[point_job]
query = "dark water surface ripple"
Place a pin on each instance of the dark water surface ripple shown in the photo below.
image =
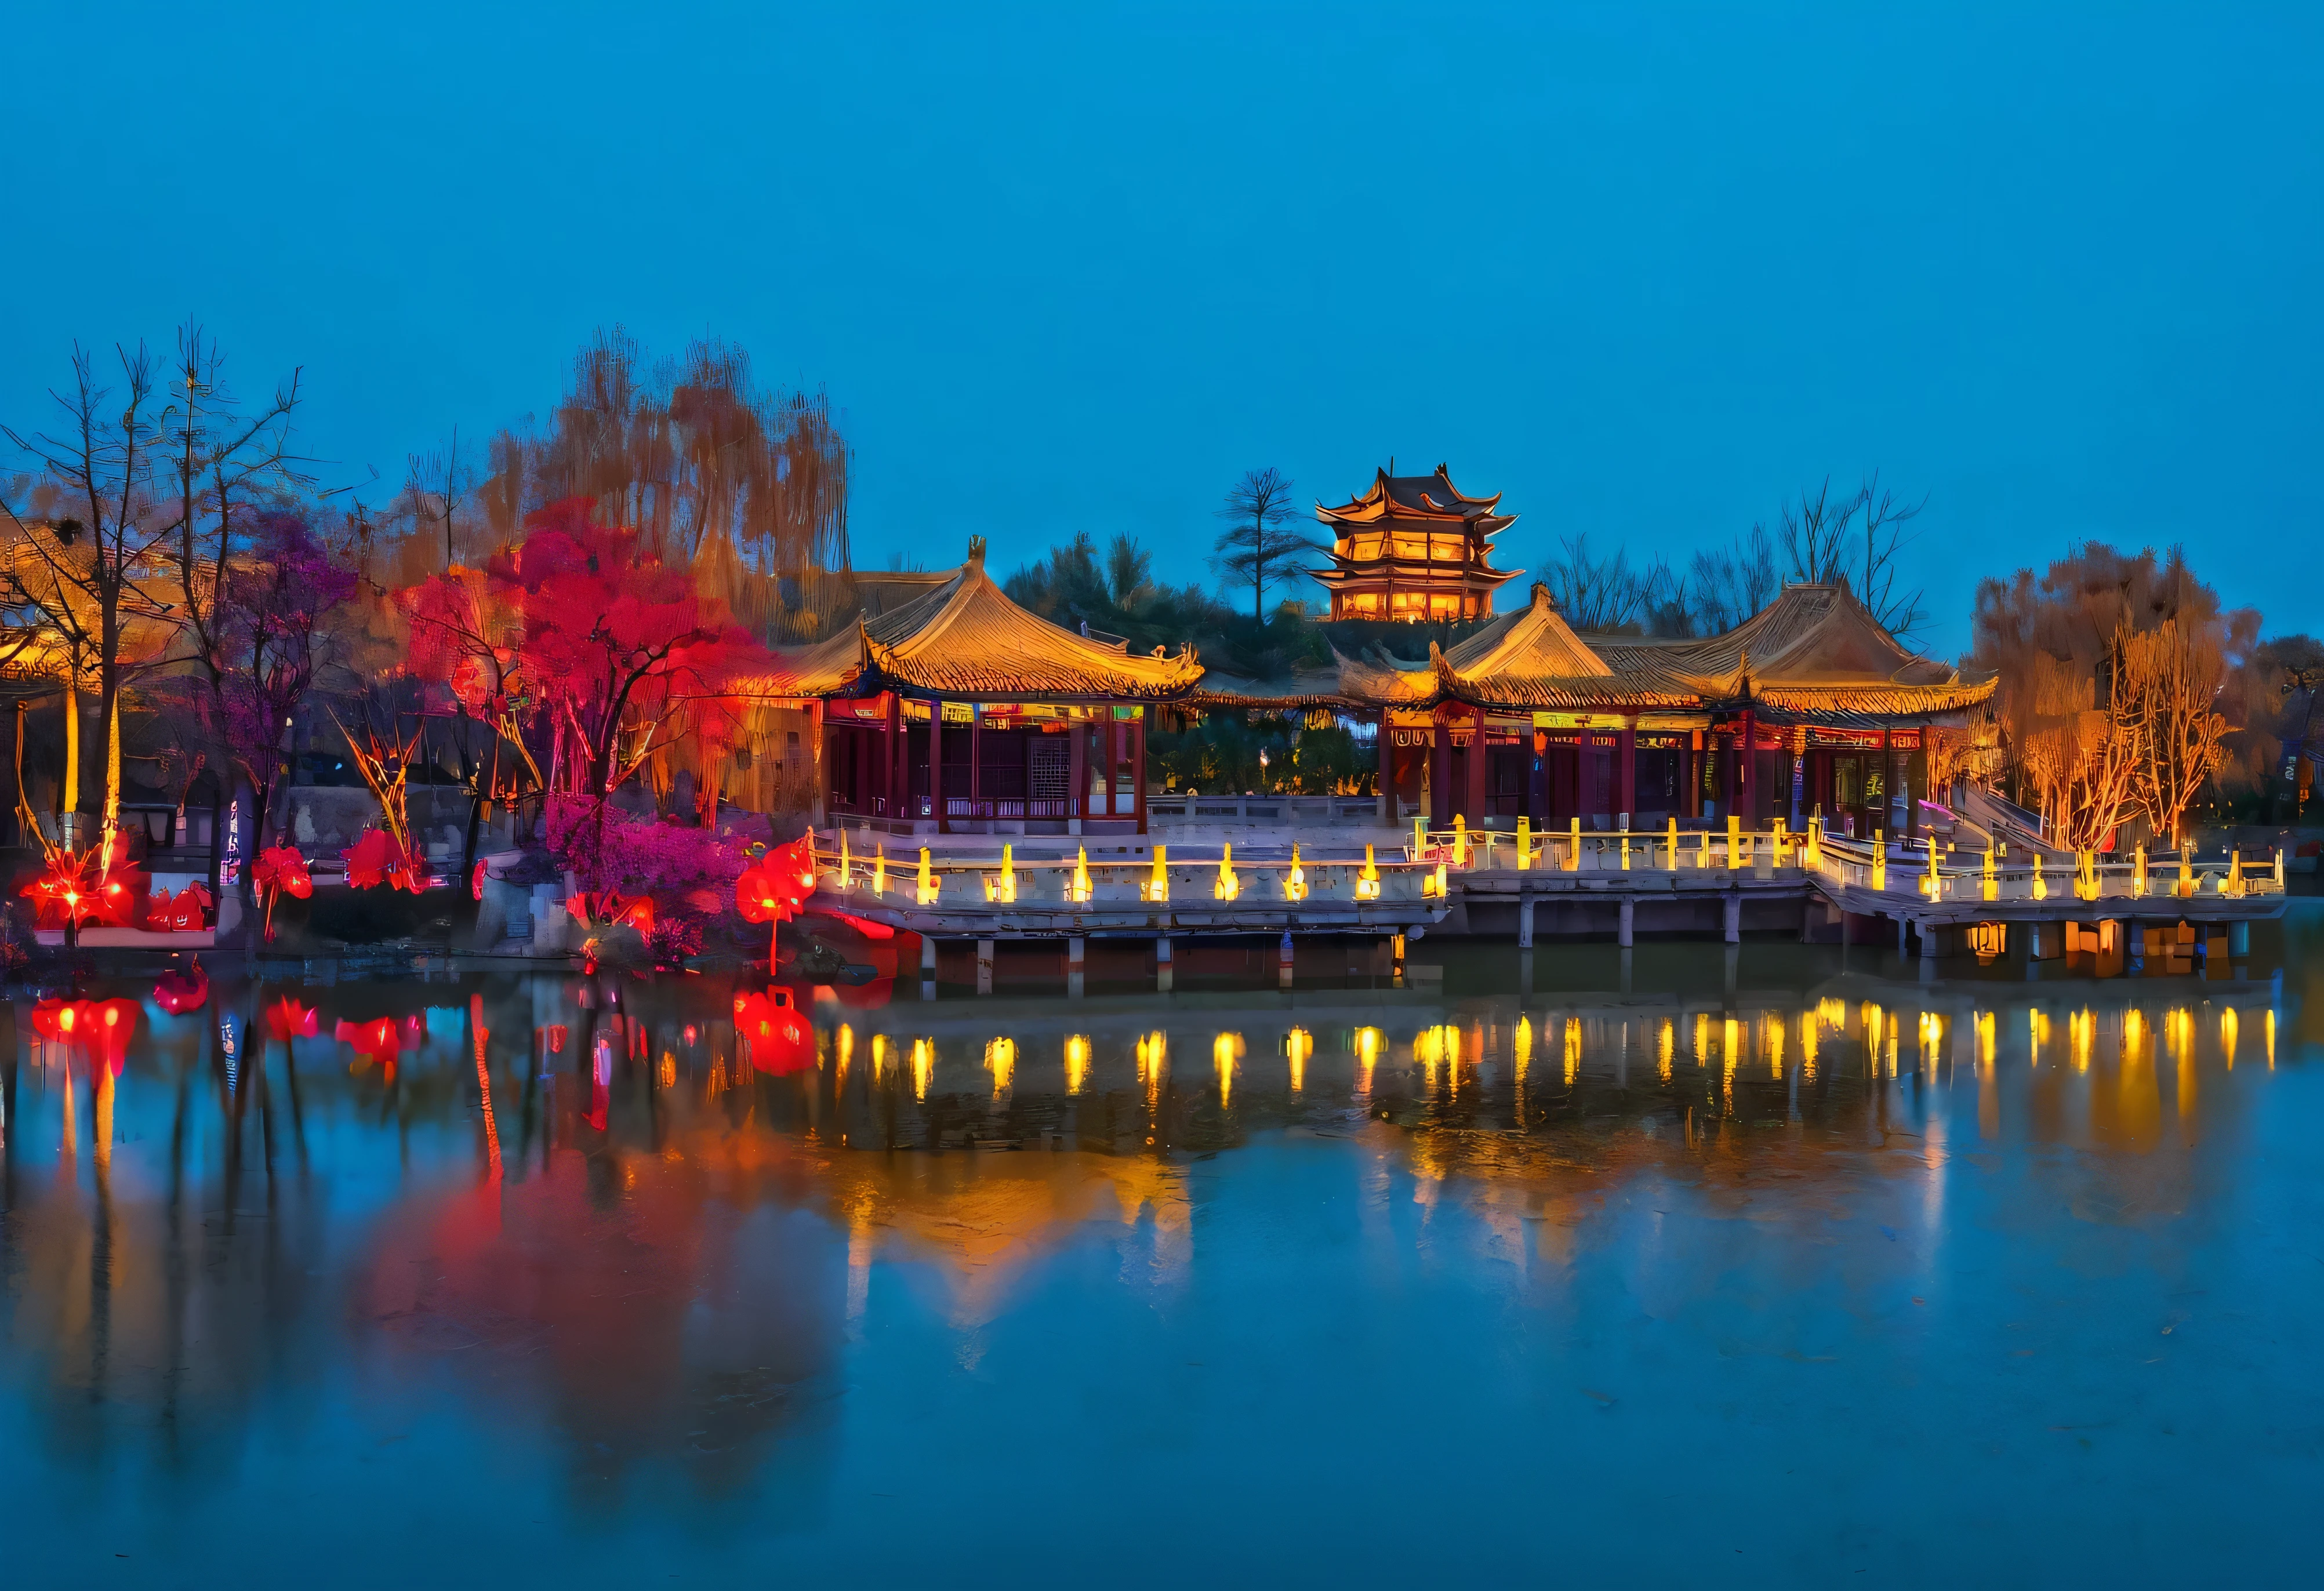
(1832, 1278)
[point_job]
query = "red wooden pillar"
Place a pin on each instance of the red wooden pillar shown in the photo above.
(1440, 774)
(1387, 750)
(1537, 745)
(1138, 766)
(1076, 774)
(1746, 794)
(893, 778)
(1477, 797)
(1888, 782)
(975, 756)
(1626, 771)
(1585, 781)
(935, 765)
(1691, 760)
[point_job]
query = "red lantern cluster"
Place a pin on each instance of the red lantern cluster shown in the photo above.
(186, 911)
(281, 870)
(383, 1040)
(78, 891)
(376, 858)
(608, 909)
(777, 1038)
(99, 1030)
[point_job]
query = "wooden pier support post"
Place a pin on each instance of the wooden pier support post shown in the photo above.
(1731, 917)
(1162, 979)
(1903, 944)
(2134, 948)
(1627, 935)
(1524, 922)
(927, 966)
(2238, 941)
(1396, 959)
(985, 966)
(1283, 961)
(1075, 969)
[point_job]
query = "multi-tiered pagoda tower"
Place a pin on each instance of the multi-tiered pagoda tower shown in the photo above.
(1413, 547)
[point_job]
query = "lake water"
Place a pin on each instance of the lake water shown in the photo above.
(1775, 1275)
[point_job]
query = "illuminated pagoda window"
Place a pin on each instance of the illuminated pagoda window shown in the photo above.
(1413, 547)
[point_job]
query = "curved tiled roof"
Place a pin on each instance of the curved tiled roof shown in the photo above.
(965, 638)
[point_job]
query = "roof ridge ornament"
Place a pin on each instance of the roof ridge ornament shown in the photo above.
(976, 553)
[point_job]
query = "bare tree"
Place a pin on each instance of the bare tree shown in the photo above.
(1595, 593)
(1727, 586)
(435, 485)
(114, 514)
(1857, 541)
(1266, 536)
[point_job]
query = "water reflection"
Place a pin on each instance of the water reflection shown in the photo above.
(615, 1224)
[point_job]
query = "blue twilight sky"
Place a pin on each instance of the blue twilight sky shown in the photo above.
(1645, 270)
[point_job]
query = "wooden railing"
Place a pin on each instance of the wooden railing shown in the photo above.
(908, 880)
(1960, 877)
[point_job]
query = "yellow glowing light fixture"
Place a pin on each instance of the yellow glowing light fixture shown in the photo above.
(1460, 841)
(1992, 870)
(928, 890)
(2138, 868)
(1933, 885)
(2040, 883)
(1879, 860)
(846, 865)
(1158, 888)
(1734, 842)
(1295, 882)
(1081, 885)
(1228, 887)
(1524, 843)
(1670, 847)
(1368, 882)
(879, 871)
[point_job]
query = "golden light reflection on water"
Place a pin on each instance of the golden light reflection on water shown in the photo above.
(1666, 1041)
(2229, 1029)
(2081, 1038)
(1000, 1060)
(924, 1066)
(1771, 1036)
(1077, 1062)
(1572, 1049)
(1368, 1044)
(843, 1050)
(1225, 1051)
(1298, 1044)
(1152, 1061)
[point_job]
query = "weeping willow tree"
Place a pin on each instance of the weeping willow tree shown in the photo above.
(748, 485)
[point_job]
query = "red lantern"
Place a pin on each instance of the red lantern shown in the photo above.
(383, 1040)
(376, 858)
(608, 909)
(180, 992)
(280, 870)
(778, 1038)
(288, 1019)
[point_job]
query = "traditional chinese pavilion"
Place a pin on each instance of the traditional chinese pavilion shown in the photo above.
(954, 709)
(958, 708)
(1413, 547)
(1810, 706)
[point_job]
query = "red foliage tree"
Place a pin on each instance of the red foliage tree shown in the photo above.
(578, 634)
